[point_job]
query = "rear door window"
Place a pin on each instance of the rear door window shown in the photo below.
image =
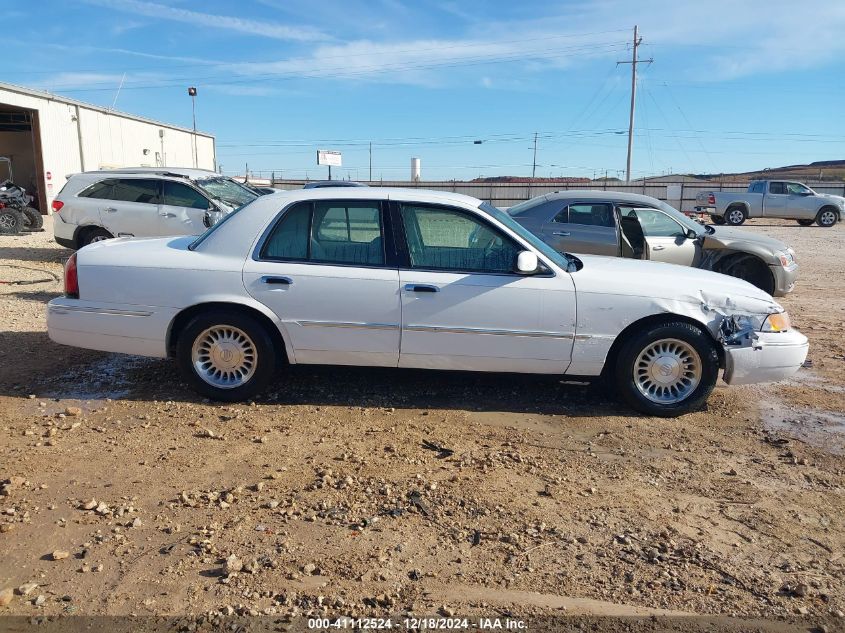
(329, 232)
(777, 187)
(141, 190)
(592, 214)
(180, 195)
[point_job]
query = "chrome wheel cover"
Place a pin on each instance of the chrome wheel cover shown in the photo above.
(827, 218)
(667, 371)
(99, 238)
(224, 356)
(735, 216)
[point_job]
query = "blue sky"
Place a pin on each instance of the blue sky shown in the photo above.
(735, 85)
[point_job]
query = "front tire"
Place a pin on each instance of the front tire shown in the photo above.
(11, 221)
(226, 355)
(735, 216)
(666, 369)
(749, 268)
(827, 217)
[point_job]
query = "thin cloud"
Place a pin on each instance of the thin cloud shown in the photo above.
(196, 18)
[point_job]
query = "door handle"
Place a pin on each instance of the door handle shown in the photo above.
(561, 233)
(421, 288)
(167, 214)
(277, 281)
(110, 210)
(658, 248)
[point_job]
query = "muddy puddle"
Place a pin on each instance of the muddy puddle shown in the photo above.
(817, 427)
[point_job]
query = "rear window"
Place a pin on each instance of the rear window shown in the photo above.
(100, 190)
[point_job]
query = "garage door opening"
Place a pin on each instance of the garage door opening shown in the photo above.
(20, 142)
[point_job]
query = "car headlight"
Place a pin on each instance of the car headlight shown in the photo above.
(778, 322)
(786, 258)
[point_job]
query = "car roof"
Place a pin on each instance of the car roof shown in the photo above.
(593, 194)
(380, 193)
(172, 172)
(317, 184)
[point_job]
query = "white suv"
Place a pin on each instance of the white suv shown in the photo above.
(143, 202)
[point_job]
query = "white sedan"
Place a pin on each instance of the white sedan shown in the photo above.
(411, 278)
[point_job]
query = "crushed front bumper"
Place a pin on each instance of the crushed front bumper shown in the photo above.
(773, 356)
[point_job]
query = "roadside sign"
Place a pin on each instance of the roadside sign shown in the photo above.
(328, 157)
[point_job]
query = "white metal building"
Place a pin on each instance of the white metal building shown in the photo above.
(48, 137)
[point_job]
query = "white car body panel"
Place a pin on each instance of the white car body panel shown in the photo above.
(565, 323)
(342, 315)
(487, 322)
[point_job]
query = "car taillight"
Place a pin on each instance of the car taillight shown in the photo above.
(711, 199)
(57, 205)
(71, 278)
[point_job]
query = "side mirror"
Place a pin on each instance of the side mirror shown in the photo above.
(527, 263)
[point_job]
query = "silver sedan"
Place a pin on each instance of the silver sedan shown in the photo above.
(641, 227)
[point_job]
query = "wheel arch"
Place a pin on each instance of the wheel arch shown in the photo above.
(82, 229)
(739, 203)
(657, 319)
(721, 260)
(258, 312)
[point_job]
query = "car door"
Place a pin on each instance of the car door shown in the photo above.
(800, 202)
(131, 208)
(182, 209)
(463, 307)
(776, 201)
(583, 227)
(327, 271)
(666, 240)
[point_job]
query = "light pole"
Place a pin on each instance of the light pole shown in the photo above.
(193, 94)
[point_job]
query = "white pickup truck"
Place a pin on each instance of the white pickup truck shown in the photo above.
(772, 199)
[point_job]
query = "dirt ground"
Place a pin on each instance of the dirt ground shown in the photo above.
(126, 494)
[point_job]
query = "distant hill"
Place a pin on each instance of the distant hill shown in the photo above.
(527, 179)
(833, 170)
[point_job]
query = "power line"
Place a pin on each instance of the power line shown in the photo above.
(353, 71)
(205, 64)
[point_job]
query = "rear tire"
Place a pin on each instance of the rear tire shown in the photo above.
(806, 222)
(226, 355)
(751, 269)
(11, 221)
(717, 219)
(96, 234)
(827, 217)
(735, 216)
(32, 219)
(666, 369)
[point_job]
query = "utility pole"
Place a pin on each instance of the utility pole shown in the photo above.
(634, 61)
(371, 161)
(192, 92)
(534, 165)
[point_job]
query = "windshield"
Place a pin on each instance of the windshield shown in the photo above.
(227, 190)
(558, 258)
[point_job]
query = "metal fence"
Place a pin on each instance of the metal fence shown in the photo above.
(681, 195)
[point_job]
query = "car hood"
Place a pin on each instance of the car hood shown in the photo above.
(840, 200)
(726, 236)
(670, 283)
